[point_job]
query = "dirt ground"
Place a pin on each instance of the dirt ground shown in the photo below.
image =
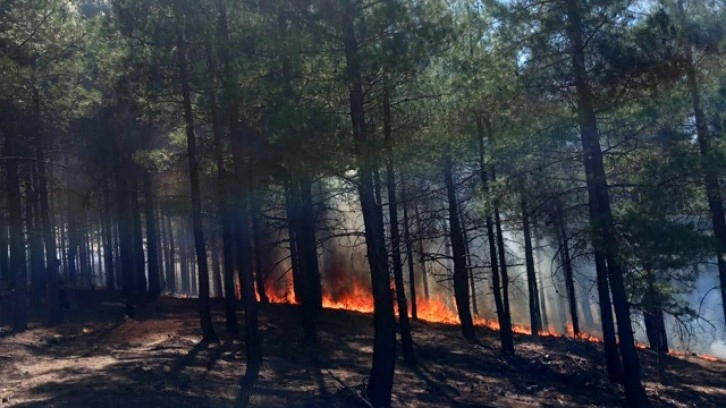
(99, 359)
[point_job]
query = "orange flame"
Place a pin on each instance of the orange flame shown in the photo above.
(358, 297)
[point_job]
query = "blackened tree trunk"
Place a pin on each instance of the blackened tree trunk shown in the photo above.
(563, 238)
(600, 213)
(72, 239)
(406, 339)
(171, 277)
(32, 226)
(108, 239)
(421, 252)
(535, 316)
(458, 247)
(469, 267)
(654, 320)
(125, 240)
(293, 219)
(205, 317)
(216, 267)
(184, 258)
(501, 250)
(258, 246)
(4, 257)
(18, 265)
(226, 218)
(384, 344)
(313, 299)
(612, 358)
(409, 249)
(152, 238)
(505, 326)
(139, 256)
(241, 217)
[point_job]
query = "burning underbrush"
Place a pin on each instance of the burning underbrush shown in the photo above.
(356, 295)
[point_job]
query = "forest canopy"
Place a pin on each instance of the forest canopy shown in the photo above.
(545, 168)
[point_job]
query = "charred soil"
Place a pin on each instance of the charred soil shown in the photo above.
(100, 359)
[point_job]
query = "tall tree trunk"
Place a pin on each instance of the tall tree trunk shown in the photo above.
(216, 267)
(32, 226)
(152, 238)
(257, 244)
(409, 249)
(205, 317)
(183, 258)
(226, 218)
(107, 239)
(535, 316)
(86, 273)
(72, 239)
(709, 161)
(313, 299)
(139, 256)
(241, 218)
(291, 209)
(173, 288)
(501, 249)
(612, 358)
(421, 252)
(505, 327)
(384, 344)
(567, 267)
(458, 247)
(4, 244)
(600, 214)
(469, 267)
(18, 265)
(125, 240)
(406, 339)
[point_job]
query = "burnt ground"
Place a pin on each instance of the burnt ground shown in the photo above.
(99, 359)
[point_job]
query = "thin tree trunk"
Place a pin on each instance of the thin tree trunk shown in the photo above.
(107, 239)
(208, 334)
(600, 213)
(125, 242)
(567, 266)
(32, 226)
(505, 328)
(409, 249)
(384, 344)
(173, 288)
(458, 247)
(216, 267)
(313, 299)
(139, 256)
(421, 252)
(18, 264)
(405, 326)
(152, 240)
(535, 317)
(257, 244)
(244, 254)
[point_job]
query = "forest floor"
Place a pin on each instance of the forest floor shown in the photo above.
(100, 359)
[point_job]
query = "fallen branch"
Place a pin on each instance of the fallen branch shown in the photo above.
(351, 391)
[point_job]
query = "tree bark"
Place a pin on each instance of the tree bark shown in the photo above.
(384, 344)
(18, 265)
(409, 249)
(257, 244)
(126, 242)
(505, 327)
(152, 238)
(205, 318)
(600, 213)
(535, 316)
(313, 301)
(107, 239)
(139, 256)
(458, 247)
(405, 326)
(561, 228)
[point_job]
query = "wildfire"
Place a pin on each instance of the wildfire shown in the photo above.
(358, 298)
